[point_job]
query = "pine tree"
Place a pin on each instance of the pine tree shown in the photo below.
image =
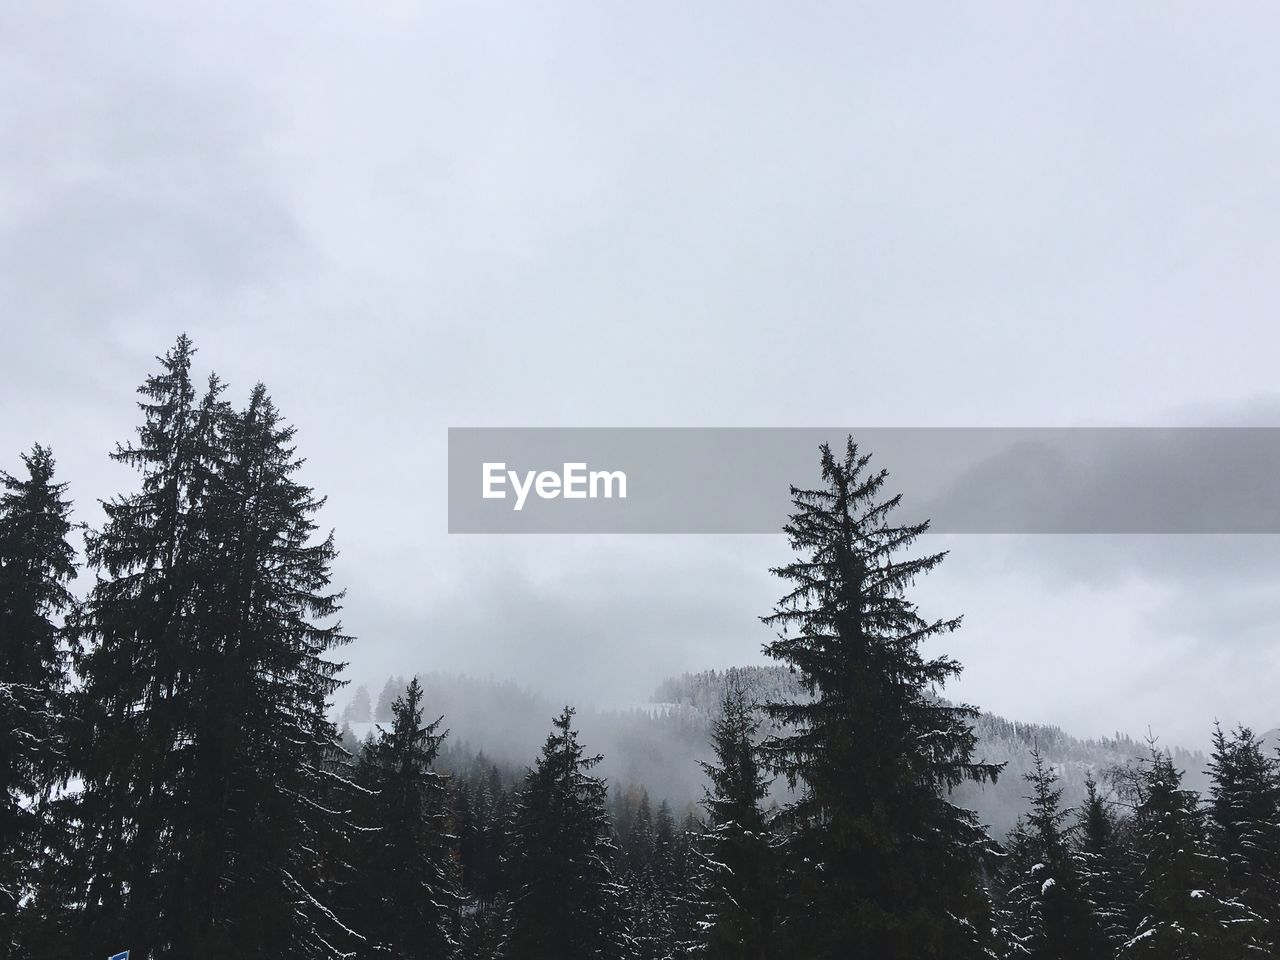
(497, 836)
(483, 807)
(359, 709)
(668, 885)
(1244, 824)
(664, 847)
(888, 866)
(211, 774)
(738, 866)
(393, 688)
(36, 565)
(1105, 866)
(135, 637)
(1186, 912)
(409, 888)
(348, 741)
(484, 852)
(1046, 904)
(566, 904)
(686, 900)
(270, 805)
(645, 902)
(638, 842)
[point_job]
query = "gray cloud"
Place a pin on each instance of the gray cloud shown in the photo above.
(421, 216)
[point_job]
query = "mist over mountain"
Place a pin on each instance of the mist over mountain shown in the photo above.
(659, 744)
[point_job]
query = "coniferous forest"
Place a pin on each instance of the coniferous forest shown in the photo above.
(175, 784)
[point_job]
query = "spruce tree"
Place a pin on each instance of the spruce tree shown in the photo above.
(1244, 824)
(483, 808)
(1186, 911)
(669, 886)
(887, 865)
(393, 688)
(1105, 866)
(211, 775)
(738, 881)
(644, 900)
(359, 709)
(637, 845)
(347, 740)
(1046, 905)
(270, 804)
(485, 834)
(687, 907)
(664, 847)
(136, 636)
(36, 565)
(565, 904)
(408, 894)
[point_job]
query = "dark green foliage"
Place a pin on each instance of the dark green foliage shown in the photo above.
(638, 848)
(665, 847)
(739, 866)
(266, 750)
(483, 803)
(1187, 912)
(1107, 867)
(206, 755)
(653, 874)
(686, 900)
(1046, 905)
(36, 565)
(484, 813)
(643, 897)
(565, 903)
(886, 865)
(406, 900)
(138, 633)
(1244, 825)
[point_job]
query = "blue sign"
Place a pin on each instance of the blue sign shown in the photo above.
(119, 956)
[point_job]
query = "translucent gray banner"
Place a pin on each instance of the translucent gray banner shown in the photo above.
(966, 480)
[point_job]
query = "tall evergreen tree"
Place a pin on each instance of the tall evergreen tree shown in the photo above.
(687, 906)
(36, 566)
(269, 802)
(359, 709)
(664, 847)
(135, 639)
(647, 911)
(566, 904)
(1244, 824)
(1046, 905)
(1187, 913)
(738, 882)
(408, 889)
(209, 766)
(1105, 865)
(637, 844)
(890, 868)
(484, 855)
(390, 690)
(483, 809)
(669, 886)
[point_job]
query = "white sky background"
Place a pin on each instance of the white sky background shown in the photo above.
(409, 216)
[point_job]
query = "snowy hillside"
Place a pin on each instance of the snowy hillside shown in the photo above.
(658, 745)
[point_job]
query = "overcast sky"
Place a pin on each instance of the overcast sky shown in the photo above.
(405, 217)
